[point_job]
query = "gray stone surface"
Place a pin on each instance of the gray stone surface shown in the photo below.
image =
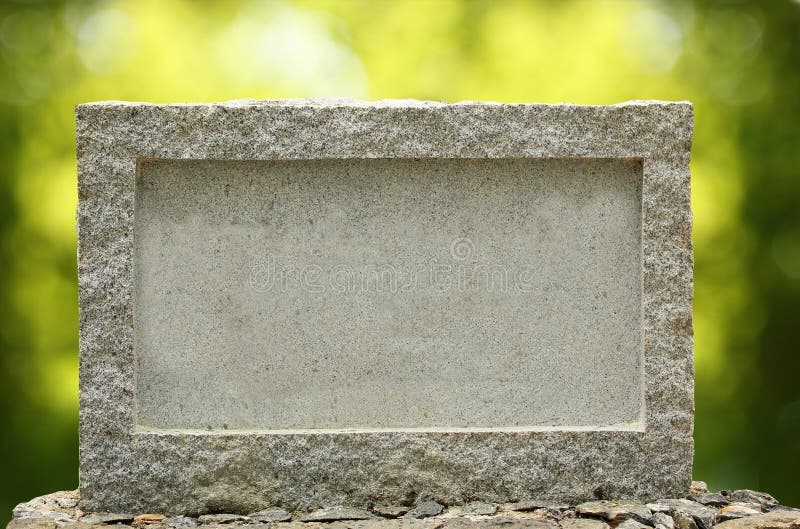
(772, 520)
(221, 519)
(583, 523)
(332, 514)
(662, 521)
(57, 506)
(126, 466)
(532, 505)
(31, 523)
(479, 508)
(735, 511)
(752, 496)
(390, 511)
(499, 523)
(425, 509)
(714, 499)
(698, 487)
(38, 514)
(615, 511)
(107, 518)
(180, 522)
(251, 276)
(56, 516)
(631, 524)
(703, 515)
(684, 521)
(272, 514)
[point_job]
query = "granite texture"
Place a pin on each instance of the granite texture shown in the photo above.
(430, 293)
(124, 468)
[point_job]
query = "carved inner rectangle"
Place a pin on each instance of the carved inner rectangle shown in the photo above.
(388, 294)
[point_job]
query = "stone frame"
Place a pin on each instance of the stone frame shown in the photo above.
(122, 469)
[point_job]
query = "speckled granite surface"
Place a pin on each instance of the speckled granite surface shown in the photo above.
(124, 468)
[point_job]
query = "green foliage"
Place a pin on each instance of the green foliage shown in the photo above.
(735, 60)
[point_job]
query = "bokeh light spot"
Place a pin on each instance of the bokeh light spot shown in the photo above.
(107, 40)
(290, 48)
(653, 40)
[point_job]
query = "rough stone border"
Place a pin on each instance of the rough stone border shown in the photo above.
(122, 469)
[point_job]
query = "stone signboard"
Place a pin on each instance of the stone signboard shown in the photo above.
(307, 303)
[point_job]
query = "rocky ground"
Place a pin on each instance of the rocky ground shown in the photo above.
(738, 509)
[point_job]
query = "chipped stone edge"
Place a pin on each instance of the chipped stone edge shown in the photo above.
(332, 102)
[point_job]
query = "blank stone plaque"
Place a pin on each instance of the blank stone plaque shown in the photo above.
(308, 303)
(388, 294)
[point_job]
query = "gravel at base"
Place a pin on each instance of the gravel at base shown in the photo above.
(739, 509)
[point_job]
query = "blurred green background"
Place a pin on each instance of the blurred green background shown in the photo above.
(737, 61)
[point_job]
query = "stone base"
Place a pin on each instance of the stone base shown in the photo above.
(739, 509)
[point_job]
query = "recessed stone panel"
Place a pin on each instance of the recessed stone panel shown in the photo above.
(309, 303)
(380, 294)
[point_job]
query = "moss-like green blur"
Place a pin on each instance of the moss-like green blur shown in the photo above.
(737, 61)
